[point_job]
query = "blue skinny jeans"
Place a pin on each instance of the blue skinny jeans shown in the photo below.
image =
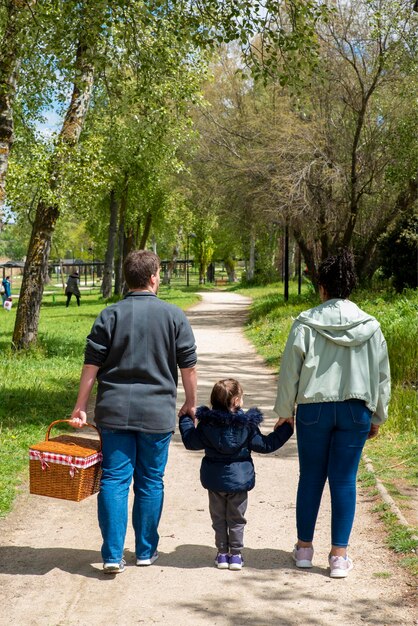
(330, 437)
(143, 456)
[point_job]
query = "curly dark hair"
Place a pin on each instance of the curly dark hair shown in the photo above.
(337, 274)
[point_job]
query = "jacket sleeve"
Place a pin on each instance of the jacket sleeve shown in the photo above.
(185, 343)
(99, 340)
(381, 413)
(273, 441)
(290, 367)
(190, 434)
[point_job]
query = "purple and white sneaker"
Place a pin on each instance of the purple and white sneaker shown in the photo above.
(303, 556)
(222, 560)
(236, 562)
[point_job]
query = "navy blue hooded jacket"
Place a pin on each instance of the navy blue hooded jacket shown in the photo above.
(228, 440)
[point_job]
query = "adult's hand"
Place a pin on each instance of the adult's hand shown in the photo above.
(188, 409)
(78, 418)
(189, 380)
(374, 430)
(282, 420)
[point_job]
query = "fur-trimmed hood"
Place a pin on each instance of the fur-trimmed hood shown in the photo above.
(218, 417)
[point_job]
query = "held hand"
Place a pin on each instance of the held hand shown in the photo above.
(282, 420)
(78, 418)
(374, 431)
(187, 409)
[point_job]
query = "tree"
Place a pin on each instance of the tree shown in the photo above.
(336, 161)
(47, 213)
(109, 30)
(15, 22)
(345, 184)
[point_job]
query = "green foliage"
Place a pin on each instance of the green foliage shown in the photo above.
(397, 316)
(14, 241)
(398, 250)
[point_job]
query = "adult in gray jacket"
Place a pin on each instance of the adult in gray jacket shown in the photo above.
(72, 288)
(134, 350)
(335, 368)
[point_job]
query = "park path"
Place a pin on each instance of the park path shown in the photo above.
(50, 566)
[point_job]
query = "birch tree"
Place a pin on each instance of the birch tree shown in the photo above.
(47, 213)
(15, 17)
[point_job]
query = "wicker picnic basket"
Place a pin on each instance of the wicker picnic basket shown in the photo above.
(66, 467)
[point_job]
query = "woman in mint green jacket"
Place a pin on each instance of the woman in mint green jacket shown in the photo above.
(335, 368)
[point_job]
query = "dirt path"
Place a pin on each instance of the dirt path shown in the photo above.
(50, 566)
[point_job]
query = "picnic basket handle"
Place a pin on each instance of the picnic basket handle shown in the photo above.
(68, 422)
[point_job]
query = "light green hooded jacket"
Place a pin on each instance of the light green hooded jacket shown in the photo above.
(335, 352)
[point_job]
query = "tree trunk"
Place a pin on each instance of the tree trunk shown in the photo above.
(145, 234)
(172, 263)
(36, 266)
(120, 240)
(309, 256)
(128, 242)
(10, 57)
(34, 277)
(251, 263)
(355, 194)
(110, 250)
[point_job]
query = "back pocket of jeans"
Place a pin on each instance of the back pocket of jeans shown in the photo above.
(309, 414)
(359, 411)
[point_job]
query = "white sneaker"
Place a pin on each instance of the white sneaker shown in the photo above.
(114, 568)
(340, 566)
(149, 561)
(303, 556)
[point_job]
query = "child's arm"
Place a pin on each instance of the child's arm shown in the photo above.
(273, 441)
(189, 434)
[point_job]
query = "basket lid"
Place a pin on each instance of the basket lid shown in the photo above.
(69, 445)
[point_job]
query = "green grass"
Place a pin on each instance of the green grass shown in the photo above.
(41, 385)
(401, 539)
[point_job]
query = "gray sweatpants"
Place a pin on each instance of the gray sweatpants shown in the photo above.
(227, 511)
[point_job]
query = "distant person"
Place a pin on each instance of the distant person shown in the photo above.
(229, 435)
(335, 367)
(6, 289)
(72, 288)
(134, 350)
(8, 304)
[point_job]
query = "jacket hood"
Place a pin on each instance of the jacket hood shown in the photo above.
(340, 321)
(252, 417)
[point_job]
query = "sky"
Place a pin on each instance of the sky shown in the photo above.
(52, 123)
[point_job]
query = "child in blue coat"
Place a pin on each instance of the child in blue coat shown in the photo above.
(229, 435)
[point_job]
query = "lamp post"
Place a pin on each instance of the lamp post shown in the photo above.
(193, 236)
(299, 271)
(92, 254)
(286, 262)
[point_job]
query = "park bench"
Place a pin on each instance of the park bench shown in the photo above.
(221, 281)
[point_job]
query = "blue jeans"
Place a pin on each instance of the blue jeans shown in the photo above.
(143, 456)
(331, 437)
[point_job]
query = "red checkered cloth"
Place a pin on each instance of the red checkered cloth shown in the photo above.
(74, 462)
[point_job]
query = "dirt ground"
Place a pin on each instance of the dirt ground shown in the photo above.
(50, 565)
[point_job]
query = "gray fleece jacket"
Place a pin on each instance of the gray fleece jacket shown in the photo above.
(335, 352)
(138, 344)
